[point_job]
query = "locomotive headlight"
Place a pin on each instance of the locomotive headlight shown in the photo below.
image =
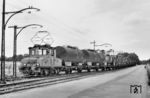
(24, 64)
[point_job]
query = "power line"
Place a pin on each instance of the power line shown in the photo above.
(17, 5)
(64, 26)
(94, 44)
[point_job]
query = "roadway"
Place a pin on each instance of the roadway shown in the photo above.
(115, 84)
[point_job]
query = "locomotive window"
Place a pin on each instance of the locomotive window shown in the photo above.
(52, 52)
(32, 53)
(44, 52)
(36, 52)
(40, 52)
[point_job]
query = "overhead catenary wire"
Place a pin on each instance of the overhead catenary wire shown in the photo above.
(67, 28)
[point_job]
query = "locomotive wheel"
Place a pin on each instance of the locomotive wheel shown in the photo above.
(42, 72)
(46, 72)
(53, 71)
(57, 71)
(36, 74)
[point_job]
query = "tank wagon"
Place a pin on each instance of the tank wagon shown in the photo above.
(46, 60)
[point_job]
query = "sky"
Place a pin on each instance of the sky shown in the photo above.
(123, 23)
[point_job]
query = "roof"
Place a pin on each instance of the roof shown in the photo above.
(41, 46)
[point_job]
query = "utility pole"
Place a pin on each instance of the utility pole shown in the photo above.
(14, 54)
(15, 44)
(2, 78)
(14, 50)
(94, 44)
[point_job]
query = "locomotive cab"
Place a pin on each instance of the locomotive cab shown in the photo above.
(42, 50)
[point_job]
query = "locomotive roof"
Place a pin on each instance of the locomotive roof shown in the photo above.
(41, 46)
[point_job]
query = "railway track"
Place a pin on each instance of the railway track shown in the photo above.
(26, 83)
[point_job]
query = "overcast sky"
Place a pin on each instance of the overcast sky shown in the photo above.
(123, 23)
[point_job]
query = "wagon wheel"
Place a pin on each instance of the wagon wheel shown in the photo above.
(79, 70)
(70, 71)
(96, 69)
(103, 69)
(66, 71)
(88, 69)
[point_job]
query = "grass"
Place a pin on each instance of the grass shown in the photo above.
(9, 68)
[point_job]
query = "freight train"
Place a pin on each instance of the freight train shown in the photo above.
(46, 60)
